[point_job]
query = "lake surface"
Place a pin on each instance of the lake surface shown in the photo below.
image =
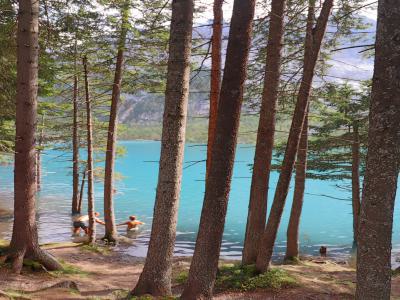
(325, 220)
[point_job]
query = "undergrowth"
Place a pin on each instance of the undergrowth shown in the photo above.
(233, 277)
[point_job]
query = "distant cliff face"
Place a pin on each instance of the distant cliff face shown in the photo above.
(146, 107)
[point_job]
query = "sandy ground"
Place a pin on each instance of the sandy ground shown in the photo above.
(111, 275)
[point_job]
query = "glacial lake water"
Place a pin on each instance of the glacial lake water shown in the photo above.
(325, 220)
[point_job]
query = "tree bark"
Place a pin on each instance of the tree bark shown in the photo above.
(24, 242)
(204, 264)
(90, 181)
(156, 276)
(314, 37)
(75, 141)
(81, 191)
(265, 136)
(216, 65)
(109, 218)
(383, 161)
(39, 157)
(355, 180)
(292, 248)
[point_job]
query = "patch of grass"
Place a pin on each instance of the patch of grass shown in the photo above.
(245, 278)
(69, 270)
(182, 277)
(96, 249)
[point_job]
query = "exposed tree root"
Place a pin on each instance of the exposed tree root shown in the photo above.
(68, 284)
(16, 258)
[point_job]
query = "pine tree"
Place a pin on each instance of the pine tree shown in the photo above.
(383, 162)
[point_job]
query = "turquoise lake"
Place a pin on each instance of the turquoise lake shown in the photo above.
(325, 221)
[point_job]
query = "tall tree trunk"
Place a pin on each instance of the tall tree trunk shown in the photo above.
(215, 82)
(109, 218)
(156, 276)
(90, 181)
(265, 136)
(82, 190)
(75, 141)
(24, 242)
(204, 264)
(314, 37)
(39, 157)
(355, 181)
(292, 248)
(383, 161)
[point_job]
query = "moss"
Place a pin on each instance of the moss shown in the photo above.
(33, 264)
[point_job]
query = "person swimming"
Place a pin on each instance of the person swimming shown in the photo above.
(79, 222)
(132, 224)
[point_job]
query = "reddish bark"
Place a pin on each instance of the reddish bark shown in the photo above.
(265, 135)
(156, 276)
(383, 161)
(204, 264)
(314, 37)
(292, 245)
(216, 44)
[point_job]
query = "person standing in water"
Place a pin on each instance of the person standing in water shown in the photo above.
(79, 222)
(132, 224)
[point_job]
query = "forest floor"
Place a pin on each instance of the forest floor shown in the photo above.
(92, 273)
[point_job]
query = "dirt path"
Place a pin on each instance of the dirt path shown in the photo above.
(112, 275)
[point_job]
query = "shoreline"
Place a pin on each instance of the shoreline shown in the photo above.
(91, 273)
